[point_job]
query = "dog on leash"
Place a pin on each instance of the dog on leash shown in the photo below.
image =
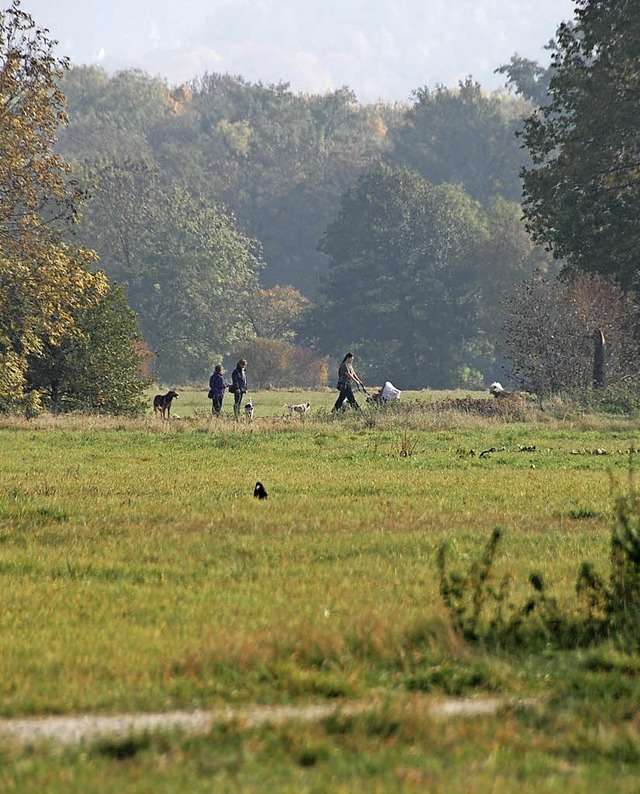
(162, 403)
(248, 409)
(300, 409)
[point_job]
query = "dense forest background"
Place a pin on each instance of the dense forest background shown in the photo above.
(448, 242)
(243, 217)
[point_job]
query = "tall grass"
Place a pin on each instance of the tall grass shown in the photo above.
(138, 572)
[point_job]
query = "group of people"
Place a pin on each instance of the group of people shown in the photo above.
(218, 388)
(347, 379)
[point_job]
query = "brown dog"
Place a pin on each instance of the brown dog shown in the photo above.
(162, 403)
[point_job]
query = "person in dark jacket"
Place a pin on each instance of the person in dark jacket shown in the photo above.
(347, 378)
(239, 383)
(217, 388)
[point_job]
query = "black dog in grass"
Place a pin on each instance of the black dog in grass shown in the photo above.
(162, 403)
(259, 491)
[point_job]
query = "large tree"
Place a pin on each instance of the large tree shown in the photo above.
(186, 268)
(417, 280)
(582, 191)
(42, 281)
(401, 284)
(98, 368)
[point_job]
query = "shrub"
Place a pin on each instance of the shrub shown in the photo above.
(98, 368)
(619, 399)
(277, 364)
(479, 609)
(549, 332)
(613, 608)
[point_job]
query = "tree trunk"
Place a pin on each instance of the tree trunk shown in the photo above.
(599, 376)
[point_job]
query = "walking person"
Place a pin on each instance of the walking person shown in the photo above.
(347, 377)
(217, 388)
(239, 383)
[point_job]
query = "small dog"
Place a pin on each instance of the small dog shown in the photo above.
(259, 491)
(248, 409)
(162, 403)
(300, 409)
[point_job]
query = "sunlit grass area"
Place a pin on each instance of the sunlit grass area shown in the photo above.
(137, 572)
(193, 403)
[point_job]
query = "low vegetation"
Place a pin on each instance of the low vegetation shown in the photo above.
(137, 572)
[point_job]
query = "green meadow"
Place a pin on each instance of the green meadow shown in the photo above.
(139, 574)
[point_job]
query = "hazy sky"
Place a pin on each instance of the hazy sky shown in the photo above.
(382, 49)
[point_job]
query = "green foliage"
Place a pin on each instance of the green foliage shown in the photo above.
(416, 279)
(96, 370)
(464, 136)
(618, 399)
(204, 273)
(277, 160)
(481, 610)
(401, 265)
(466, 595)
(581, 191)
(280, 163)
(527, 78)
(615, 607)
(187, 270)
(118, 219)
(610, 609)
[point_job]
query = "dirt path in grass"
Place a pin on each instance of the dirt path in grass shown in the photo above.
(72, 730)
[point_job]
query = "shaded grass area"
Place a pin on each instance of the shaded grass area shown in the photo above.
(566, 745)
(137, 572)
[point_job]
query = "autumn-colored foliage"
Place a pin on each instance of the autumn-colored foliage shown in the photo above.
(43, 282)
(278, 364)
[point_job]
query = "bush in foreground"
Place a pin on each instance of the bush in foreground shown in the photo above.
(480, 608)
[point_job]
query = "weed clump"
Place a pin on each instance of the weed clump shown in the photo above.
(480, 608)
(613, 608)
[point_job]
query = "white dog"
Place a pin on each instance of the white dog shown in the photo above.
(300, 409)
(248, 409)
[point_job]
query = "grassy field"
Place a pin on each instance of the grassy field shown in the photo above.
(137, 572)
(193, 403)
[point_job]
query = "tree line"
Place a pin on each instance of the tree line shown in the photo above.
(273, 169)
(233, 216)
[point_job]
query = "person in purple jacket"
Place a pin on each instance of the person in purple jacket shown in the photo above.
(217, 388)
